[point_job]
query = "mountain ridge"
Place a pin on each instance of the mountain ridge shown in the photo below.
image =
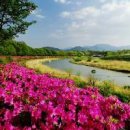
(99, 47)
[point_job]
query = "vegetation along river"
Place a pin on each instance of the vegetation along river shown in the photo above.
(85, 71)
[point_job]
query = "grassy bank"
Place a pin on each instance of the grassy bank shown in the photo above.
(38, 65)
(115, 65)
(106, 88)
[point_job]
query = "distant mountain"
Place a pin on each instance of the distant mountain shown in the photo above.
(102, 47)
(52, 48)
(99, 47)
(77, 48)
(124, 48)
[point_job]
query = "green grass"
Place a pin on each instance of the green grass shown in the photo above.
(107, 88)
(6, 60)
(116, 65)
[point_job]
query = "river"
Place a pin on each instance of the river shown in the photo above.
(85, 71)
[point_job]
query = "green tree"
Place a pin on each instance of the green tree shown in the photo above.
(22, 49)
(7, 48)
(10, 50)
(13, 14)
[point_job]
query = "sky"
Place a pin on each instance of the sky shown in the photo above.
(69, 23)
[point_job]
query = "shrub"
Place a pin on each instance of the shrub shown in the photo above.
(126, 87)
(77, 59)
(30, 101)
(106, 88)
(91, 80)
(89, 58)
(122, 97)
(1, 61)
(9, 59)
(80, 83)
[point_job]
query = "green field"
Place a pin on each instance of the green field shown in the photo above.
(116, 65)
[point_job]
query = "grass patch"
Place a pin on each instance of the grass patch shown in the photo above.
(6, 60)
(108, 88)
(38, 65)
(116, 65)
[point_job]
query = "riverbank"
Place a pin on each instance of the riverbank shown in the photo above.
(106, 88)
(115, 65)
(40, 67)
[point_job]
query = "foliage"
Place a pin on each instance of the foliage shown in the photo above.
(126, 87)
(118, 57)
(1, 61)
(9, 59)
(122, 97)
(117, 65)
(91, 80)
(34, 101)
(80, 83)
(77, 59)
(89, 58)
(107, 88)
(10, 47)
(13, 14)
(6, 60)
(15, 48)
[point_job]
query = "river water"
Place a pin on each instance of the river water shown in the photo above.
(85, 71)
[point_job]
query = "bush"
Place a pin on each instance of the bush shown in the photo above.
(77, 59)
(122, 97)
(126, 87)
(89, 58)
(91, 81)
(2, 61)
(9, 59)
(106, 88)
(34, 101)
(80, 83)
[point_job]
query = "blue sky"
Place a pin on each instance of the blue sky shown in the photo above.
(68, 23)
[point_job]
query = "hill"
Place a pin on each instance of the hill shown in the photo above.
(99, 47)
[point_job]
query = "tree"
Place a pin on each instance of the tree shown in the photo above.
(13, 14)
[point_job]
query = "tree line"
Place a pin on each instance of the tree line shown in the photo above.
(16, 48)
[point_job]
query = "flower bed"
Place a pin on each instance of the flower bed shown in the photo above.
(30, 101)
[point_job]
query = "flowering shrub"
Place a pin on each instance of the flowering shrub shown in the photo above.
(30, 101)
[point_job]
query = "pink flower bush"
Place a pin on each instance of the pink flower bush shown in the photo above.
(30, 101)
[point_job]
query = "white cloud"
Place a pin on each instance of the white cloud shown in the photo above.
(65, 14)
(38, 14)
(63, 1)
(108, 24)
(102, 1)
